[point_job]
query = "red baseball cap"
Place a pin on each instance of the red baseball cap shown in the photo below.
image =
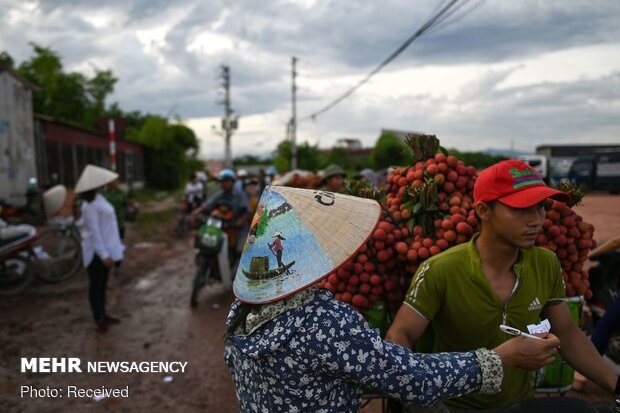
(514, 183)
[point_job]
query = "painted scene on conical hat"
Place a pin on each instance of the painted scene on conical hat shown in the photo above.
(280, 254)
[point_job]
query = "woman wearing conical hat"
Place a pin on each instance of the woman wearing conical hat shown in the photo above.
(277, 248)
(101, 244)
(292, 347)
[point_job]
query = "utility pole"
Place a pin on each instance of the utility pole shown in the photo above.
(112, 143)
(228, 123)
(293, 125)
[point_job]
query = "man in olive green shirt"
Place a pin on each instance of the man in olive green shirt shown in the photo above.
(499, 277)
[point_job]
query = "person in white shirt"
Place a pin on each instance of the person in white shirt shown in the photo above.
(194, 192)
(101, 242)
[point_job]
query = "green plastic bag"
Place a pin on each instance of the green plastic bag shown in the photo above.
(560, 373)
(209, 239)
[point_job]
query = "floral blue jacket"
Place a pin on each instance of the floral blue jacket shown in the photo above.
(316, 353)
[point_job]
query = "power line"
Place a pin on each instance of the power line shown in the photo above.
(443, 22)
(391, 57)
(430, 23)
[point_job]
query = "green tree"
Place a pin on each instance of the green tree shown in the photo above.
(170, 149)
(186, 138)
(251, 160)
(478, 159)
(390, 150)
(44, 70)
(71, 96)
(350, 162)
(339, 156)
(154, 133)
(309, 157)
(6, 59)
(98, 88)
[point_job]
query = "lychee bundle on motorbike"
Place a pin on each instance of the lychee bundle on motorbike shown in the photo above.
(213, 242)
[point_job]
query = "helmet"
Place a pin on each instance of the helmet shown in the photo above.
(242, 173)
(227, 174)
(271, 170)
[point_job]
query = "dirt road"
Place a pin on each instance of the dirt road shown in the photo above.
(152, 299)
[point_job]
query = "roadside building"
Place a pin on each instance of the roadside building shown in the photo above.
(17, 149)
(68, 148)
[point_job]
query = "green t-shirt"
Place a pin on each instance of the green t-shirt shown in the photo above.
(452, 292)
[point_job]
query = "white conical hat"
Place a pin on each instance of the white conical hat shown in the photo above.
(321, 230)
(54, 198)
(94, 177)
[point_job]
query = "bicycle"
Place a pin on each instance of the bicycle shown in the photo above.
(58, 251)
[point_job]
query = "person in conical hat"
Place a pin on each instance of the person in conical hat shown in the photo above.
(292, 347)
(101, 243)
(54, 199)
(277, 248)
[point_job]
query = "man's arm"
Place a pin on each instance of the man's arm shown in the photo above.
(407, 327)
(207, 206)
(577, 349)
(607, 246)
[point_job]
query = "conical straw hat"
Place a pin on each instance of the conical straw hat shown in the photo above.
(94, 177)
(54, 199)
(320, 231)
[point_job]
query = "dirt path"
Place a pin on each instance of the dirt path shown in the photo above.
(152, 299)
(602, 211)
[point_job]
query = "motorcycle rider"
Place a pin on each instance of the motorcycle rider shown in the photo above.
(240, 207)
(212, 248)
(194, 192)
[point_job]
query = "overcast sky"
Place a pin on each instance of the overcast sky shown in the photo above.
(509, 74)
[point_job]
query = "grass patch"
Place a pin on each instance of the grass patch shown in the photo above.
(146, 195)
(153, 226)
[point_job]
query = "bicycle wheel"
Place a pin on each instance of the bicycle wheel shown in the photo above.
(15, 275)
(59, 255)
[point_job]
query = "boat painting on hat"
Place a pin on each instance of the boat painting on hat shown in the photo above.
(297, 237)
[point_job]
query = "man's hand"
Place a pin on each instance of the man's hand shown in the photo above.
(528, 353)
(109, 262)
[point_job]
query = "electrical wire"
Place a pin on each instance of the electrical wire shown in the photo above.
(437, 18)
(445, 22)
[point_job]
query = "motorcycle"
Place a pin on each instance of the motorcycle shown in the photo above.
(185, 221)
(17, 258)
(212, 261)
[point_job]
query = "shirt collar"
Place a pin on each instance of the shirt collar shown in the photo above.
(267, 312)
(475, 256)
